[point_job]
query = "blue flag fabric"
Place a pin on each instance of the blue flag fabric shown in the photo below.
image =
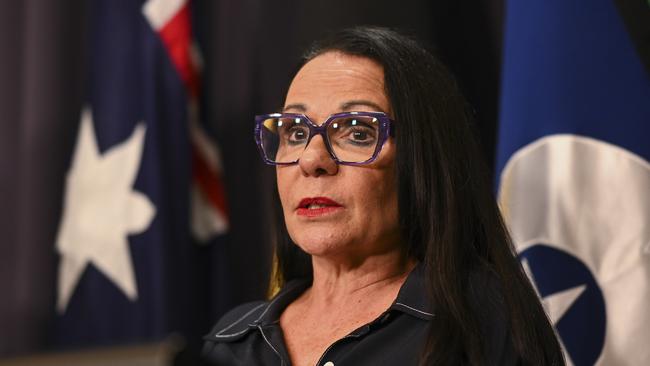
(574, 153)
(128, 269)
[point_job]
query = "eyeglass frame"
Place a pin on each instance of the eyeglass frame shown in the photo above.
(386, 130)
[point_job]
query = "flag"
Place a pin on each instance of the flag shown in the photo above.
(143, 173)
(574, 163)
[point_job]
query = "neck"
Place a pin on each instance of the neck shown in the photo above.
(341, 282)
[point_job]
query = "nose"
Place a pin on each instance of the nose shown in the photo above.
(316, 160)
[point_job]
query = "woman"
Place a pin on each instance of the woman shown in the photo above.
(391, 250)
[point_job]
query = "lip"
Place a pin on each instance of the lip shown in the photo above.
(329, 206)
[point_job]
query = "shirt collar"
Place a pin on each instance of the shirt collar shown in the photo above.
(256, 315)
(289, 292)
(412, 297)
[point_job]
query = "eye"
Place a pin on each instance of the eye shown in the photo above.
(298, 134)
(356, 131)
(294, 132)
(360, 135)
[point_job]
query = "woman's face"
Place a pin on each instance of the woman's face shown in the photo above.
(339, 211)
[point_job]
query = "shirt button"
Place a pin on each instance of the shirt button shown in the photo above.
(329, 363)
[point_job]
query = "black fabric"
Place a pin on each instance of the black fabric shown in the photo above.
(251, 335)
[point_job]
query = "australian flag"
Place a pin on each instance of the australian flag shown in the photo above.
(143, 186)
(574, 163)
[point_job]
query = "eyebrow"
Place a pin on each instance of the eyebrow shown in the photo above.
(345, 107)
(352, 104)
(299, 107)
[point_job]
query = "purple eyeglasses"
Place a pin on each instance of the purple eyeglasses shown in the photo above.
(351, 138)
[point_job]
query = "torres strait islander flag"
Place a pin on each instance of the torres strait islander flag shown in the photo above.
(574, 163)
(143, 179)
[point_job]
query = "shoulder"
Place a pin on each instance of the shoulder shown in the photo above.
(488, 301)
(486, 293)
(229, 341)
(237, 321)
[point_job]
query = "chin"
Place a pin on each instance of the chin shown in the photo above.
(319, 244)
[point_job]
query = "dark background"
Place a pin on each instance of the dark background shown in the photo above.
(250, 50)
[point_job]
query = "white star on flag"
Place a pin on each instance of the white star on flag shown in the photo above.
(100, 210)
(556, 304)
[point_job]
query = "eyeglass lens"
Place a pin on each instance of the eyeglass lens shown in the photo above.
(352, 139)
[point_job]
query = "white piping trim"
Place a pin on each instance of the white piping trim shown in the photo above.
(270, 345)
(414, 309)
(231, 334)
(237, 321)
(267, 309)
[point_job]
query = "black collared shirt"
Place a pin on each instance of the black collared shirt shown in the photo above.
(251, 335)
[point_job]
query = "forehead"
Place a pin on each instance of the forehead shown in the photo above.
(330, 82)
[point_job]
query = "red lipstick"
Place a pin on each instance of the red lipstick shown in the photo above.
(317, 206)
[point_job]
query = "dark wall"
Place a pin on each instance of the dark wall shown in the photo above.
(40, 93)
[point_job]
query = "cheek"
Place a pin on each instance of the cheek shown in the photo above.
(382, 198)
(287, 178)
(374, 193)
(381, 202)
(384, 179)
(284, 190)
(283, 183)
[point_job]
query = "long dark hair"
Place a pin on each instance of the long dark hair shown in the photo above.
(447, 212)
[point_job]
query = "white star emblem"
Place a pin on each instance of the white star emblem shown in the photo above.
(100, 210)
(556, 304)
